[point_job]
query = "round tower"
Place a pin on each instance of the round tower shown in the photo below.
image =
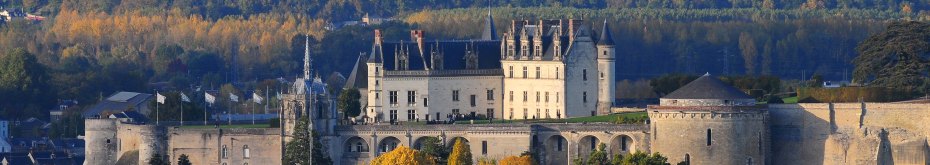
(709, 122)
(605, 66)
(100, 141)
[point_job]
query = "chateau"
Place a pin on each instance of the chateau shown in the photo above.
(538, 69)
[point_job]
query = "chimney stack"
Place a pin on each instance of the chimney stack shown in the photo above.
(378, 38)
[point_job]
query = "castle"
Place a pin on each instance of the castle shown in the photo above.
(545, 69)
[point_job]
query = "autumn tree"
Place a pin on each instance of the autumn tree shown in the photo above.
(898, 57)
(404, 156)
(518, 160)
(461, 153)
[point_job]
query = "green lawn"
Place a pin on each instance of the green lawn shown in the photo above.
(224, 126)
(790, 100)
(630, 117)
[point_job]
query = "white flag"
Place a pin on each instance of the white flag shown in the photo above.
(233, 98)
(184, 98)
(160, 98)
(256, 98)
(210, 98)
(278, 95)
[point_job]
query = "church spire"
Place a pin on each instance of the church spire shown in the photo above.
(307, 59)
(489, 33)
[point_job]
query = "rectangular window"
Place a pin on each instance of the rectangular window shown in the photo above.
(524, 96)
(490, 94)
(558, 143)
(484, 147)
(511, 96)
(537, 97)
(556, 72)
(584, 97)
(526, 112)
(524, 72)
(425, 102)
(709, 140)
(393, 115)
(547, 97)
(474, 100)
(411, 97)
(556, 97)
(411, 115)
(455, 95)
(245, 152)
(584, 74)
(490, 113)
(511, 113)
(377, 95)
(511, 72)
(537, 114)
(455, 111)
(392, 96)
(547, 113)
(538, 72)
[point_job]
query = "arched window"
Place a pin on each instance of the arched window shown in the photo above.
(224, 152)
(709, 139)
(245, 152)
(687, 159)
(749, 161)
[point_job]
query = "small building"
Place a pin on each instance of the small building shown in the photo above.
(120, 102)
(129, 117)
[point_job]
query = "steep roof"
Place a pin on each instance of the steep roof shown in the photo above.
(359, 76)
(453, 53)
(489, 33)
(118, 102)
(707, 87)
(606, 38)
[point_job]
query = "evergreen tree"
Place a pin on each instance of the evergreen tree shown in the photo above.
(157, 159)
(184, 160)
(897, 58)
(296, 149)
(599, 156)
(349, 103)
(461, 154)
(433, 147)
(24, 89)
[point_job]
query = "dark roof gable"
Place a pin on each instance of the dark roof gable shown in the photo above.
(707, 87)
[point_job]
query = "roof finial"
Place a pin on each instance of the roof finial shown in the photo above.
(707, 74)
(307, 59)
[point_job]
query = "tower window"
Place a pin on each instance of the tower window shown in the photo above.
(224, 152)
(511, 72)
(490, 94)
(556, 72)
(584, 97)
(709, 139)
(245, 152)
(584, 74)
(484, 147)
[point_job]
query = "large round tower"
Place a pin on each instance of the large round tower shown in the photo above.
(100, 141)
(709, 122)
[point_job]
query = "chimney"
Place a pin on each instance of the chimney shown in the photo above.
(417, 36)
(378, 38)
(561, 28)
(571, 30)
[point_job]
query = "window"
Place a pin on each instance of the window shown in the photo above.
(511, 113)
(484, 147)
(411, 115)
(224, 152)
(602, 75)
(393, 115)
(537, 114)
(584, 74)
(411, 97)
(392, 97)
(537, 72)
(511, 72)
(473, 100)
(490, 94)
(425, 102)
(537, 97)
(547, 113)
(455, 111)
(556, 72)
(524, 96)
(490, 113)
(377, 95)
(377, 83)
(584, 97)
(709, 137)
(547, 97)
(558, 144)
(524, 72)
(511, 96)
(377, 70)
(556, 97)
(455, 95)
(623, 144)
(688, 159)
(245, 152)
(526, 112)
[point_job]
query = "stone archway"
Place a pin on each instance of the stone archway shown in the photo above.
(388, 144)
(418, 144)
(451, 141)
(355, 144)
(556, 150)
(622, 144)
(587, 144)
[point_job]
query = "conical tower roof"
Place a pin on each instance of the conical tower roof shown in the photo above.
(707, 87)
(606, 38)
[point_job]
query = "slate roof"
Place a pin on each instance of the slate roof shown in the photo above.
(453, 53)
(16, 157)
(118, 102)
(707, 87)
(488, 33)
(606, 38)
(359, 76)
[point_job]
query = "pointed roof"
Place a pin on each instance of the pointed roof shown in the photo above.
(358, 78)
(376, 54)
(606, 38)
(707, 87)
(489, 33)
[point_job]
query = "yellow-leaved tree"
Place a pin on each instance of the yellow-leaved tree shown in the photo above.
(404, 156)
(461, 154)
(517, 160)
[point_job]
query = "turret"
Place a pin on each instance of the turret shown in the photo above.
(375, 67)
(605, 68)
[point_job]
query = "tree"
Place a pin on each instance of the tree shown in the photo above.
(599, 156)
(349, 102)
(433, 146)
(24, 89)
(896, 58)
(642, 158)
(184, 160)
(295, 151)
(518, 160)
(157, 159)
(747, 46)
(461, 154)
(404, 156)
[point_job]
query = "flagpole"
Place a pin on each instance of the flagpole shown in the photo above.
(253, 108)
(156, 106)
(205, 106)
(182, 108)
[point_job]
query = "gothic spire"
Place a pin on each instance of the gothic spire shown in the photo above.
(307, 59)
(489, 33)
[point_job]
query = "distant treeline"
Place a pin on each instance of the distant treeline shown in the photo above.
(339, 10)
(786, 43)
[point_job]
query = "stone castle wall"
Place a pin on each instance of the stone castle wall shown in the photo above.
(705, 137)
(850, 133)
